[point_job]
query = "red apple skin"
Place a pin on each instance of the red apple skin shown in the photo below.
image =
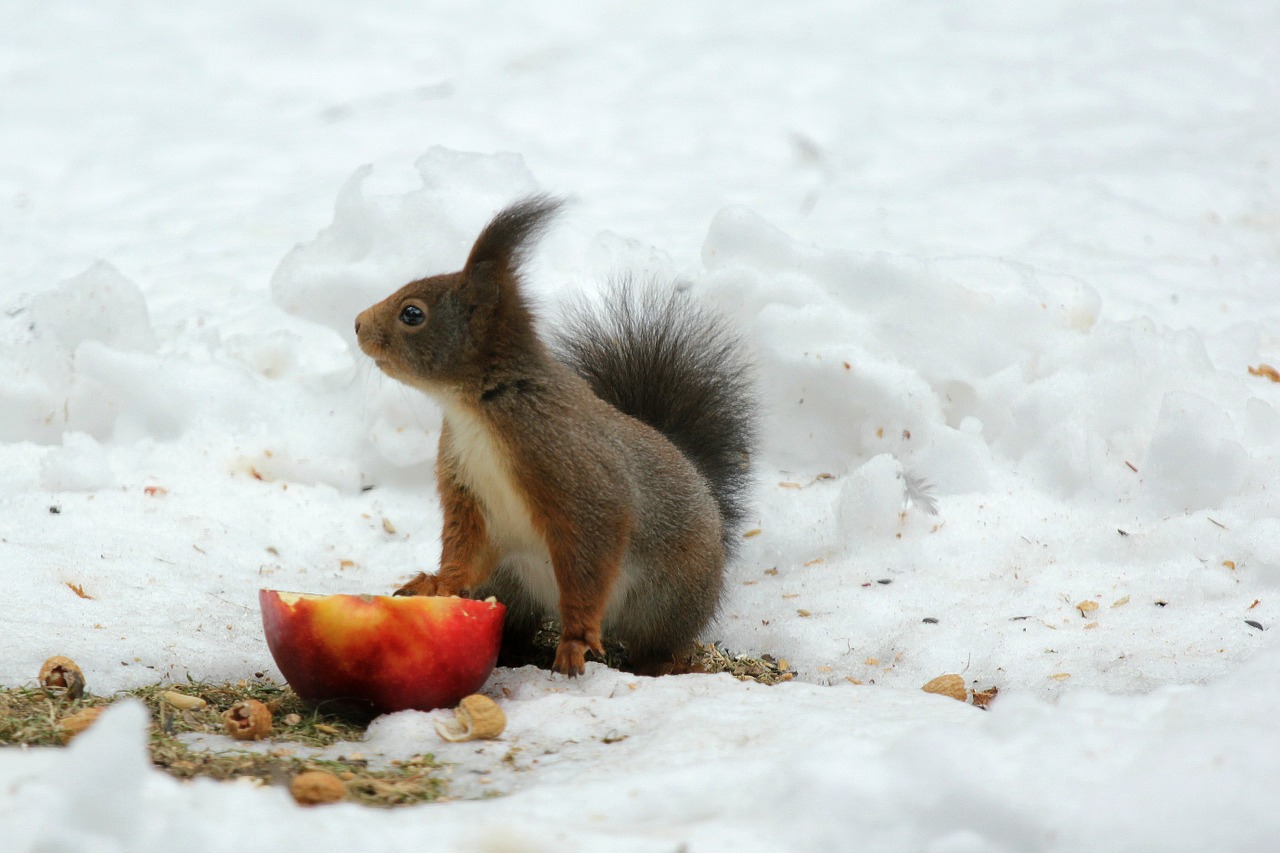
(359, 654)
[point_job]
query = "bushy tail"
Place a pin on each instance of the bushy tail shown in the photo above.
(664, 360)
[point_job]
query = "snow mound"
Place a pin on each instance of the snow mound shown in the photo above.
(376, 244)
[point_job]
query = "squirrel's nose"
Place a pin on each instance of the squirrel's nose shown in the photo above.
(357, 325)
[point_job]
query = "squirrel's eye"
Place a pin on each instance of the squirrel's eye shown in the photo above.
(412, 315)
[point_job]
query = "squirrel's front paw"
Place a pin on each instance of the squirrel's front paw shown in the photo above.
(571, 655)
(423, 584)
(571, 658)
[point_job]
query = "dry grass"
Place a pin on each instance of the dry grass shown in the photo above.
(30, 716)
(766, 669)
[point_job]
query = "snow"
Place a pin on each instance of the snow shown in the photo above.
(1026, 253)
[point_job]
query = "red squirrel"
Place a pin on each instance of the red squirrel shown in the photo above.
(601, 478)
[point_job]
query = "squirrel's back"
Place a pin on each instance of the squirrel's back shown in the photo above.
(668, 362)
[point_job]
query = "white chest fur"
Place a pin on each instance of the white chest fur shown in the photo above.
(484, 467)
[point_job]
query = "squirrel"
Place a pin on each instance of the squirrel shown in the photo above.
(601, 477)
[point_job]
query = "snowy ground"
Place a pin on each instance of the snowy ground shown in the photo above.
(1027, 252)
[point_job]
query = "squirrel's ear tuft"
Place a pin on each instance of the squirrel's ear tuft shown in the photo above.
(504, 241)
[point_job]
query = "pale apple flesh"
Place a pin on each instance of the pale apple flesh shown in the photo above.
(367, 654)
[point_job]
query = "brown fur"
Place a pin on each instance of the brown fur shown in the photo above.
(554, 500)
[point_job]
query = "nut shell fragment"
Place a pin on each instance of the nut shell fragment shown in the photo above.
(948, 685)
(317, 787)
(248, 720)
(61, 674)
(73, 724)
(476, 718)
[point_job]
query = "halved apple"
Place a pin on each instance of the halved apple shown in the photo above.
(373, 654)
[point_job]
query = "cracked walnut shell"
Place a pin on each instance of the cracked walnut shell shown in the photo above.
(62, 675)
(248, 720)
(476, 718)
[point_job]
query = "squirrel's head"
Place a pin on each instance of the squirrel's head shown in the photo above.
(457, 332)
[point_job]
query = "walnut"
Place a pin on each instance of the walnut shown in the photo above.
(316, 787)
(476, 718)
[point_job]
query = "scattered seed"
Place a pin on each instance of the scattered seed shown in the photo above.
(182, 701)
(1254, 624)
(982, 698)
(388, 526)
(885, 581)
(948, 685)
(1265, 370)
(930, 620)
(73, 724)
